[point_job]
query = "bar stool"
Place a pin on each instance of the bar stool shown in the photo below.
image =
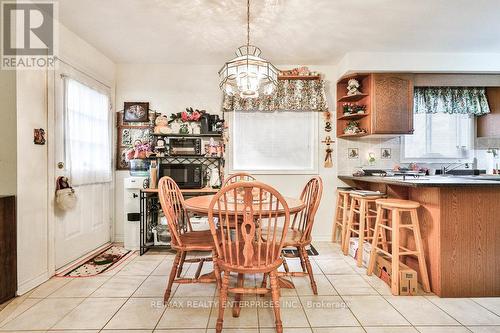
(341, 214)
(396, 207)
(363, 211)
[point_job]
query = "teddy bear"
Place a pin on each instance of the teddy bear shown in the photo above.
(161, 125)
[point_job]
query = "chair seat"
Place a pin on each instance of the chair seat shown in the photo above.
(292, 238)
(196, 241)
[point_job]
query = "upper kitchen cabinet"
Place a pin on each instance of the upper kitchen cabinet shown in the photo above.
(489, 125)
(382, 104)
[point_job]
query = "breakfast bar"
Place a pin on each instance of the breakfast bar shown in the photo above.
(460, 226)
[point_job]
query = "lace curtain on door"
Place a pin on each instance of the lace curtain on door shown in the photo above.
(87, 134)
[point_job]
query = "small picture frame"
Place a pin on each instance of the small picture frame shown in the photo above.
(353, 153)
(39, 136)
(385, 153)
(136, 112)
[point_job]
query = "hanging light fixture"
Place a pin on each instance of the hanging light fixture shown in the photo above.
(248, 73)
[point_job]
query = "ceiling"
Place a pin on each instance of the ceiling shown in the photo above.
(287, 31)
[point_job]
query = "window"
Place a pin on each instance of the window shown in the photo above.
(87, 134)
(439, 136)
(280, 141)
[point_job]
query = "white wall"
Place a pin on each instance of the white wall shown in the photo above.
(172, 88)
(34, 235)
(8, 135)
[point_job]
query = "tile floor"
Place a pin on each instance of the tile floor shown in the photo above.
(129, 299)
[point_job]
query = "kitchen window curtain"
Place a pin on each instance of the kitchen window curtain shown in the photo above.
(451, 100)
(87, 134)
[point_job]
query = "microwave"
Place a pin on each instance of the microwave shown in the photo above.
(185, 175)
(184, 146)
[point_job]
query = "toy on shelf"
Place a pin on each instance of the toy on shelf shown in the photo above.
(353, 87)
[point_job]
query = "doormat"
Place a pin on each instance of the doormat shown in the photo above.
(294, 253)
(99, 263)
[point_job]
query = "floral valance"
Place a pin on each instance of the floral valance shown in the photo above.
(290, 95)
(452, 100)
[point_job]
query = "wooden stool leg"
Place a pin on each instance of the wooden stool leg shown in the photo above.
(420, 248)
(309, 270)
(336, 218)
(345, 246)
(395, 251)
(345, 215)
(373, 251)
(383, 233)
(222, 302)
(171, 278)
(361, 234)
(275, 294)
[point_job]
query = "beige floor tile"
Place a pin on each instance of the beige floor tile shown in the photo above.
(119, 286)
(43, 315)
(127, 331)
(153, 286)
(185, 313)
(49, 287)
(351, 285)
(390, 329)
(484, 329)
(491, 303)
(143, 267)
(380, 286)
(374, 311)
(15, 308)
(442, 329)
(335, 266)
(287, 330)
(303, 285)
(163, 268)
(195, 290)
(236, 330)
(466, 311)
(418, 310)
(295, 266)
(338, 330)
(292, 313)
(248, 316)
(137, 313)
(327, 311)
(80, 287)
(69, 331)
(187, 331)
(151, 257)
(93, 313)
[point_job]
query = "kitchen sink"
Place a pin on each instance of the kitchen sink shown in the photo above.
(482, 177)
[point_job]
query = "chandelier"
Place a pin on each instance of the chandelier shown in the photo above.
(248, 73)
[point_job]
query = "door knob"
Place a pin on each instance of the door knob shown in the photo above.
(60, 165)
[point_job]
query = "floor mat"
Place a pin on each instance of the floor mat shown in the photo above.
(99, 263)
(294, 253)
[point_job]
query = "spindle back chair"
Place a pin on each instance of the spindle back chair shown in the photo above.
(238, 177)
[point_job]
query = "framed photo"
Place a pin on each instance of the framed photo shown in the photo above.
(136, 112)
(385, 153)
(121, 161)
(39, 136)
(128, 135)
(353, 153)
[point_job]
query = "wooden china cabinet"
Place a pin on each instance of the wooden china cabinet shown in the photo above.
(388, 104)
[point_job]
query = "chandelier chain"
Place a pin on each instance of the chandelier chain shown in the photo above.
(248, 22)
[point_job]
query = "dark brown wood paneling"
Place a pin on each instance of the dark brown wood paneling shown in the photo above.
(8, 248)
(489, 125)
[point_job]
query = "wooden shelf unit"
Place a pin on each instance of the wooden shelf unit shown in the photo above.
(361, 99)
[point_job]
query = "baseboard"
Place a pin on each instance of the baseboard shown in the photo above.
(31, 284)
(119, 239)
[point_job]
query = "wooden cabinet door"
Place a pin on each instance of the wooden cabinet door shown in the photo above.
(392, 104)
(8, 248)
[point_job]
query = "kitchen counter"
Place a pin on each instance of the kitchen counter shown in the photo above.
(427, 181)
(459, 222)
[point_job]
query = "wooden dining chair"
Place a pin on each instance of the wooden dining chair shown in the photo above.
(299, 234)
(183, 238)
(242, 247)
(238, 177)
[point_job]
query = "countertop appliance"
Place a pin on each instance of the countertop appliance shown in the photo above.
(131, 204)
(184, 146)
(189, 175)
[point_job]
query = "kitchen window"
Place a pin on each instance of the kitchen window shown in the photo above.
(274, 142)
(439, 137)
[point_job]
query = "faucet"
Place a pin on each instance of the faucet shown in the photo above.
(446, 169)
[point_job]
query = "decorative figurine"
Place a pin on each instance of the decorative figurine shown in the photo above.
(352, 87)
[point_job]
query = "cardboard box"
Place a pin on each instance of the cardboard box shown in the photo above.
(408, 284)
(353, 250)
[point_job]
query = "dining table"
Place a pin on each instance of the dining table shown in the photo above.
(200, 205)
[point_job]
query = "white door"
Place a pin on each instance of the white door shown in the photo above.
(83, 144)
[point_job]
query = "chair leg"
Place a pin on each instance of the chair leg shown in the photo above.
(301, 257)
(237, 297)
(422, 266)
(275, 294)
(181, 264)
(171, 278)
(376, 232)
(309, 270)
(222, 301)
(264, 282)
(216, 269)
(395, 251)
